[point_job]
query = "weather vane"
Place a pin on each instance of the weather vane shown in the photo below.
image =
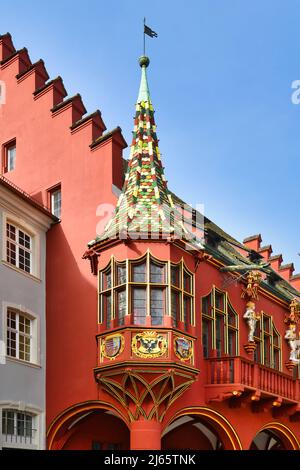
(149, 32)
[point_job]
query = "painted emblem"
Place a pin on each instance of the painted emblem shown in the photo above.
(183, 348)
(149, 344)
(112, 346)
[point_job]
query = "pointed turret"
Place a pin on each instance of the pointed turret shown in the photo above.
(145, 207)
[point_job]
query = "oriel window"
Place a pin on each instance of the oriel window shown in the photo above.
(146, 287)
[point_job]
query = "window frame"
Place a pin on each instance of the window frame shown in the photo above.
(182, 293)
(164, 283)
(260, 343)
(19, 351)
(19, 439)
(51, 191)
(18, 246)
(35, 344)
(211, 319)
(35, 271)
(5, 160)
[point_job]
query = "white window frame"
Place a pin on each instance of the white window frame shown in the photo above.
(38, 441)
(18, 247)
(12, 219)
(18, 334)
(16, 437)
(35, 352)
(52, 194)
(9, 147)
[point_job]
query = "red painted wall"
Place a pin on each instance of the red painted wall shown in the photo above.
(100, 428)
(48, 153)
(186, 437)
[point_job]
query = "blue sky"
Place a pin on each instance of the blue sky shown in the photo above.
(220, 79)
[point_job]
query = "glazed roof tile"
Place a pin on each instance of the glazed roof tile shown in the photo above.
(145, 205)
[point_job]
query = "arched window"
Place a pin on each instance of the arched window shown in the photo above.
(146, 287)
(219, 324)
(268, 343)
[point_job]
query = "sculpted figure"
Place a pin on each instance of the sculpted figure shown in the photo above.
(294, 343)
(294, 311)
(251, 291)
(251, 316)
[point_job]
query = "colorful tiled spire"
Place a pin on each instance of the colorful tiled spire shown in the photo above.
(145, 205)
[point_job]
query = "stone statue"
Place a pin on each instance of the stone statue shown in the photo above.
(251, 316)
(294, 343)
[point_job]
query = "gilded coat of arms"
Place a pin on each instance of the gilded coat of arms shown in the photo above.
(149, 344)
(112, 346)
(183, 348)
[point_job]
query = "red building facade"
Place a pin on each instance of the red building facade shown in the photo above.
(181, 337)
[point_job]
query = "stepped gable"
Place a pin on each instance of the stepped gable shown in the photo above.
(42, 85)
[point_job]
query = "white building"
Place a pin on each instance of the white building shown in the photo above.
(23, 227)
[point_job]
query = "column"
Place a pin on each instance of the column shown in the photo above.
(145, 435)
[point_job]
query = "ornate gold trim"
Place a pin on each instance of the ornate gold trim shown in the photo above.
(284, 430)
(133, 328)
(68, 413)
(213, 416)
(146, 393)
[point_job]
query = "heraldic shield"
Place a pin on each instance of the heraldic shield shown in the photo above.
(183, 348)
(112, 346)
(149, 344)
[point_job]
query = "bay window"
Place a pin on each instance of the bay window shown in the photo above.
(146, 287)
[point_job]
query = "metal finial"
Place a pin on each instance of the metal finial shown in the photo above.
(144, 61)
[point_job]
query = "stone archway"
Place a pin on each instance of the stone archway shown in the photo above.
(87, 426)
(200, 428)
(275, 436)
